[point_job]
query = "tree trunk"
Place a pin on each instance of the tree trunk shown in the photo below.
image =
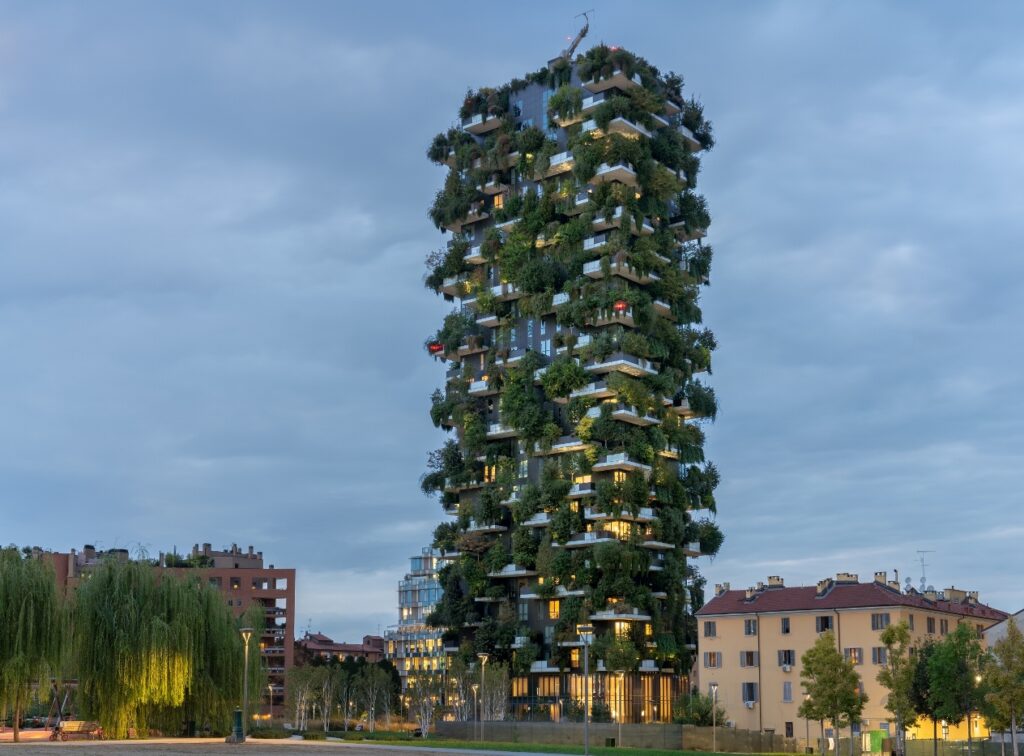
(935, 736)
(851, 737)
(17, 720)
(821, 744)
(1013, 730)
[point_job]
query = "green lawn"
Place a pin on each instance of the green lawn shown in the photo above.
(539, 747)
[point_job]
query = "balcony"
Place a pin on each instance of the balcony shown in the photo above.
(454, 486)
(657, 562)
(652, 543)
(481, 388)
(455, 286)
(488, 320)
(532, 593)
(513, 498)
(581, 490)
(592, 538)
(645, 514)
(503, 162)
(539, 520)
(670, 452)
(475, 215)
(590, 103)
(578, 203)
(499, 430)
(582, 341)
(617, 125)
(507, 225)
(648, 666)
(618, 79)
(620, 614)
(623, 363)
(690, 139)
(563, 162)
(672, 108)
(626, 413)
(621, 461)
(614, 317)
(621, 171)
(475, 255)
(595, 270)
(480, 124)
(512, 571)
(506, 292)
(483, 527)
(692, 549)
(594, 242)
(521, 641)
(660, 122)
(564, 445)
(596, 390)
(682, 408)
(492, 187)
(473, 345)
(662, 308)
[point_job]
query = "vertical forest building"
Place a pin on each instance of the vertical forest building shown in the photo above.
(575, 482)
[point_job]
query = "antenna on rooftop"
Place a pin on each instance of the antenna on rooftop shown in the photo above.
(920, 558)
(567, 53)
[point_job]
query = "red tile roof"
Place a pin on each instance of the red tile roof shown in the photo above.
(840, 596)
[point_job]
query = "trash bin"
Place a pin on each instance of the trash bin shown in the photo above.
(609, 742)
(809, 749)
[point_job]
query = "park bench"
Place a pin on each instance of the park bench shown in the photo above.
(73, 728)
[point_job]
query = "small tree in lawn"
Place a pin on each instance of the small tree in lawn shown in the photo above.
(1005, 677)
(345, 692)
(698, 710)
(373, 687)
(920, 690)
(897, 676)
(425, 692)
(951, 670)
(832, 683)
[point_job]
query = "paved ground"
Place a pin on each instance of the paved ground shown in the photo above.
(251, 748)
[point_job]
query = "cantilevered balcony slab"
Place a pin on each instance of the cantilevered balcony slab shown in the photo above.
(494, 186)
(483, 527)
(474, 255)
(625, 413)
(595, 242)
(620, 615)
(645, 514)
(618, 79)
(621, 461)
(505, 292)
(690, 139)
(581, 490)
(622, 363)
(453, 485)
(595, 390)
(662, 308)
(480, 123)
(544, 667)
(512, 571)
(455, 286)
(488, 320)
(481, 388)
(507, 225)
(582, 340)
(562, 162)
(621, 172)
(475, 215)
(654, 544)
(539, 520)
(564, 445)
(583, 540)
(613, 317)
(532, 593)
(682, 408)
(577, 203)
(692, 549)
(618, 125)
(500, 430)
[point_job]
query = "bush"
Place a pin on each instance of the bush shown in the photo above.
(314, 735)
(269, 733)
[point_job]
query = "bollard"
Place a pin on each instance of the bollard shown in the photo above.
(236, 729)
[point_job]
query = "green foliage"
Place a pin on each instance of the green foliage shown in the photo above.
(832, 684)
(453, 201)
(31, 628)
(563, 376)
(952, 667)
(565, 102)
(698, 710)
(897, 676)
(521, 405)
(1004, 676)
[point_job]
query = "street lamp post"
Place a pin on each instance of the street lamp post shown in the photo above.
(483, 663)
(622, 702)
(586, 632)
(475, 687)
(714, 717)
(270, 698)
(246, 637)
(807, 724)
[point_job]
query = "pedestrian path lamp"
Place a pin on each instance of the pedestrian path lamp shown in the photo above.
(586, 633)
(246, 637)
(714, 717)
(483, 663)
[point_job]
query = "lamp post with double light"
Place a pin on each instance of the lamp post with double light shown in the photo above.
(586, 633)
(246, 637)
(714, 717)
(270, 698)
(807, 724)
(483, 664)
(622, 702)
(476, 711)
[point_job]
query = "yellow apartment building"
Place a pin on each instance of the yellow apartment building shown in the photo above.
(751, 641)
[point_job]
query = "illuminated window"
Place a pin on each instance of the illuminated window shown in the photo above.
(855, 655)
(619, 476)
(499, 201)
(575, 657)
(621, 629)
(554, 607)
(648, 630)
(712, 659)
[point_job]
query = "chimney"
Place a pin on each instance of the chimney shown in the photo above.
(207, 549)
(930, 594)
(250, 550)
(719, 589)
(847, 577)
(824, 586)
(894, 585)
(955, 595)
(89, 552)
(760, 586)
(972, 597)
(750, 594)
(881, 578)
(774, 581)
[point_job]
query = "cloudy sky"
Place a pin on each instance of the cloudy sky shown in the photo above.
(212, 227)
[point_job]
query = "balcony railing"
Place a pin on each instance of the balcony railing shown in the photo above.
(581, 490)
(474, 255)
(621, 461)
(577, 204)
(594, 242)
(560, 163)
(481, 388)
(614, 317)
(621, 171)
(564, 445)
(626, 413)
(480, 123)
(500, 430)
(623, 363)
(645, 514)
(512, 571)
(618, 125)
(617, 79)
(595, 390)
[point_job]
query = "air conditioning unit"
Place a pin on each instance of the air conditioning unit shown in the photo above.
(749, 704)
(787, 668)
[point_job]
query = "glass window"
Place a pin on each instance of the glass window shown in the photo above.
(856, 655)
(785, 625)
(750, 627)
(880, 621)
(709, 629)
(879, 655)
(823, 622)
(749, 691)
(554, 607)
(787, 692)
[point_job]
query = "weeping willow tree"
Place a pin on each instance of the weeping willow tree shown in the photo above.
(154, 651)
(30, 629)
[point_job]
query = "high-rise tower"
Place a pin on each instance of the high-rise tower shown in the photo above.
(575, 353)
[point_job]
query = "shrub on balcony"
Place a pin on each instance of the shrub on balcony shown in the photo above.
(563, 376)
(453, 202)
